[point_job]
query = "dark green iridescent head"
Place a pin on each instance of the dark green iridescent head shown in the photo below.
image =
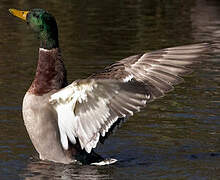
(43, 23)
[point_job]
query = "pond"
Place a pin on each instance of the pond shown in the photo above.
(175, 137)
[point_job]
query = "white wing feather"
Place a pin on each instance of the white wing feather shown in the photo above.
(88, 108)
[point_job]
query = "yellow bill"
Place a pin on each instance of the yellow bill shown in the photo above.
(19, 14)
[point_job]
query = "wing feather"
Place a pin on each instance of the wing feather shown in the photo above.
(88, 109)
(94, 107)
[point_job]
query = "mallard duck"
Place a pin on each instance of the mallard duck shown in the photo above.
(65, 122)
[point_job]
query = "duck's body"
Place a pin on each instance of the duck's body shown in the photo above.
(39, 116)
(65, 122)
(41, 123)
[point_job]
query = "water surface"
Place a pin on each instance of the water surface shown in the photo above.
(176, 137)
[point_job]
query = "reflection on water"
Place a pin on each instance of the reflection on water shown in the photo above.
(40, 169)
(176, 136)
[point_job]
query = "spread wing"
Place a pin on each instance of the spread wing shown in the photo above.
(88, 108)
(159, 70)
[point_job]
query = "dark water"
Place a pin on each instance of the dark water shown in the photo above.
(176, 137)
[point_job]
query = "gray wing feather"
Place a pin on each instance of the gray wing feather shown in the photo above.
(91, 106)
(158, 70)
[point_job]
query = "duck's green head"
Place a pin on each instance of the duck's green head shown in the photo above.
(41, 22)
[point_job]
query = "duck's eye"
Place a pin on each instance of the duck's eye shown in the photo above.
(35, 15)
